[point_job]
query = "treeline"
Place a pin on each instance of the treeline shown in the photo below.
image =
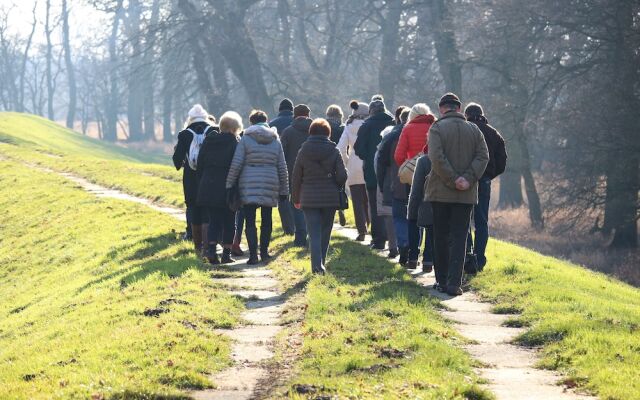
(559, 79)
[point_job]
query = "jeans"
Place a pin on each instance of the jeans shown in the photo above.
(300, 226)
(400, 222)
(239, 226)
(360, 207)
(391, 232)
(481, 222)
(319, 224)
(285, 209)
(450, 228)
(222, 225)
(378, 230)
(266, 227)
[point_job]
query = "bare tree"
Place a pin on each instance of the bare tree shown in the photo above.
(71, 76)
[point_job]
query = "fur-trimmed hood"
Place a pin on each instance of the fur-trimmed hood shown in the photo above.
(261, 133)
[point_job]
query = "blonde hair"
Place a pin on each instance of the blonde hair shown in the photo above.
(231, 122)
(419, 109)
(334, 112)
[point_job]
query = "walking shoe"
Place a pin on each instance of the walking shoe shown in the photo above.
(342, 218)
(226, 257)
(393, 253)
(212, 255)
(427, 267)
(253, 260)
(454, 291)
(265, 256)
(360, 237)
(404, 255)
(236, 250)
(411, 264)
(438, 287)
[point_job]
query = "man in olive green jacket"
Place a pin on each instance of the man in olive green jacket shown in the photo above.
(459, 156)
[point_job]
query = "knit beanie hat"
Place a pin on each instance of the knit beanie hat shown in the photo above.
(359, 109)
(449, 98)
(473, 110)
(197, 111)
(376, 107)
(377, 97)
(301, 110)
(286, 104)
(419, 109)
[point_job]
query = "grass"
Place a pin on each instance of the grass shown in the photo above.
(587, 324)
(371, 332)
(81, 280)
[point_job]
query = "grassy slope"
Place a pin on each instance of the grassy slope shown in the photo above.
(77, 274)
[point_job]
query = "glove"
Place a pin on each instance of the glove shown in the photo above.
(284, 197)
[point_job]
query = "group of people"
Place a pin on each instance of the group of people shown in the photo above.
(414, 181)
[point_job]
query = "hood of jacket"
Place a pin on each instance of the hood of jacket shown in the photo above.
(261, 133)
(302, 124)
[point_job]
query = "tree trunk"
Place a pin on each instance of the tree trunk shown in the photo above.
(388, 72)
(134, 98)
(25, 57)
(444, 38)
(71, 76)
(111, 123)
(149, 74)
(49, 57)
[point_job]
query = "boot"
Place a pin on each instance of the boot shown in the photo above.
(342, 218)
(226, 256)
(212, 254)
(404, 255)
(253, 257)
(196, 235)
(264, 255)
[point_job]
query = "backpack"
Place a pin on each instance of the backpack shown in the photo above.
(406, 170)
(194, 149)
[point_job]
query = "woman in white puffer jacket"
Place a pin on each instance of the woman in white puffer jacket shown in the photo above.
(356, 183)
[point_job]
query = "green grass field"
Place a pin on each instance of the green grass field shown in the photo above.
(78, 273)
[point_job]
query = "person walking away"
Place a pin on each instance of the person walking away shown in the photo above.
(496, 166)
(355, 181)
(365, 148)
(420, 216)
(334, 117)
(185, 156)
(282, 122)
(292, 139)
(214, 161)
(260, 171)
(318, 175)
(395, 194)
(459, 157)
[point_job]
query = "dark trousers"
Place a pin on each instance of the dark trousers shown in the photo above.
(222, 225)
(319, 224)
(360, 207)
(450, 228)
(266, 226)
(299, 225)
(197, 215)
(378, 229)
(286, 216)
(239, 226)
(481, 222)
(417, 236)
(188, 216)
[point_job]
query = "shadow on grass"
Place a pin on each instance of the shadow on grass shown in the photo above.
(143, 263)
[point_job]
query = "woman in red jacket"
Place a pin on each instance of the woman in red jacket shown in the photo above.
(414, 133)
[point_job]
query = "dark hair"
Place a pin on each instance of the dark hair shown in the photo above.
(404, 117)
(320, 127)
(211, 118)
(257, 116)
(399, 112)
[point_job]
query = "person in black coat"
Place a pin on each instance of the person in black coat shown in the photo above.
(281, 122)
(365, 147)
(214, 160)
(496, 166)
(197, 123)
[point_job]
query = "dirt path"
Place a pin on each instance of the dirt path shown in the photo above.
(509, 369)
(253, 342)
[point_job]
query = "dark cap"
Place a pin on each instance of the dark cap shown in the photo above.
(474, 110)
(450, 98)
(286, 104)
(301, 110)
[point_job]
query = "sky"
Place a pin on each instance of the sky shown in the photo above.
(83, 19)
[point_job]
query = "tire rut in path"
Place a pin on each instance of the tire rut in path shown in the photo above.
(253, 342)
(508, 368)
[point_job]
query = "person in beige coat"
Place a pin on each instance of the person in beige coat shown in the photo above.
(459, 156)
